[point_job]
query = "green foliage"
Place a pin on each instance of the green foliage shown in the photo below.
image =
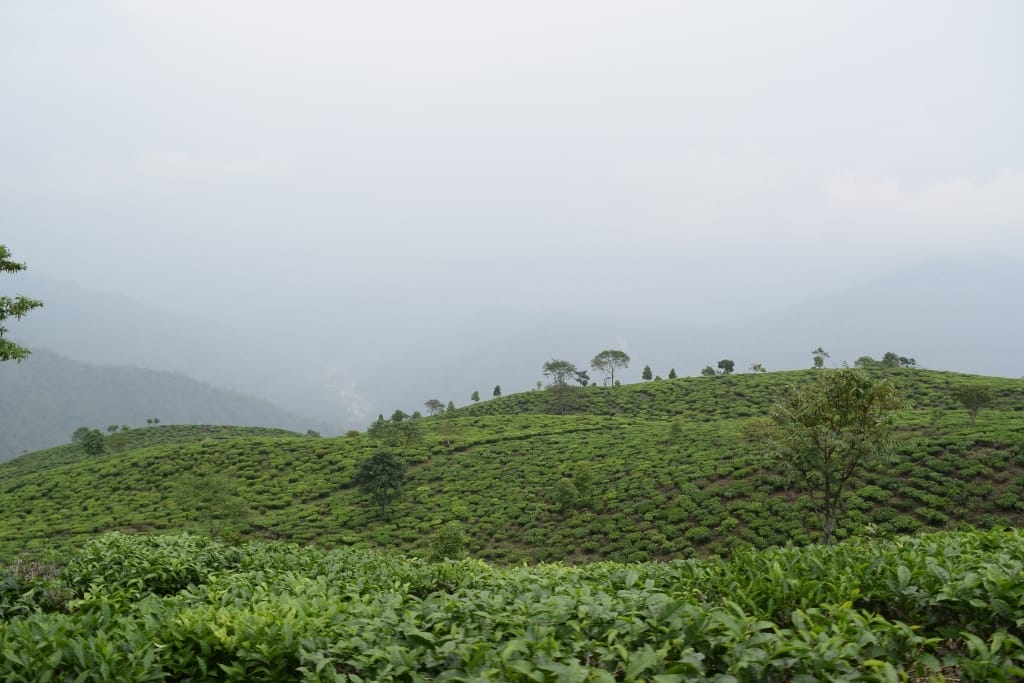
(607, 362)
(819, 355)
(497, 391)
(708, 371)
(475, 398)
(672, 476)
(214, 499)
(830, 428)
(380, 477)
(672, 373)
(92, 442)
(647, 375)
(726, 366)
(433, 406)
(397, 434)
(973, 398)
(182, 608)
(13, 307)
(449, 543)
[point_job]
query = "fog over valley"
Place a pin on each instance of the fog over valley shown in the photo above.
(347, 209)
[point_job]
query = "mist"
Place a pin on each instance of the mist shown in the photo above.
(326, 198)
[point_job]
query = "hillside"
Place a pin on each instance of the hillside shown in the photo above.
(46, 397)
(671, 476)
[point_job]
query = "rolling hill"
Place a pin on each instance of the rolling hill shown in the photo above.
(45, 398)
(669, 476)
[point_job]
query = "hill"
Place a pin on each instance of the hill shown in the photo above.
(46, 397)
(660, 469)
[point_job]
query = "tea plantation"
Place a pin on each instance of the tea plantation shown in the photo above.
(939, 607)
(101, 584)
(668, 473)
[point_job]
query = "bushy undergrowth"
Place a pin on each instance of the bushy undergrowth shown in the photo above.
(946, 605)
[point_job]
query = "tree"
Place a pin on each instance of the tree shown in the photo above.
(451, 406)
(866, 363)
(398, 416)
(819, 355)
(582, 378)
(560, 371)
(726, 366)
(79, 434)
(974, 399)
(607, 362)
(757, 367)
(672, 374)
(397, 434)
(112, 428)
(475, 398)
(708, 371)
(497, 391)
(13, 307)
(647, 375)
(380, 477)
(829, 429)
(433, 406)
(92, 442)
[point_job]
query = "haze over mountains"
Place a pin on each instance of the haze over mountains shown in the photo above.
(45, 398)
(341, 373)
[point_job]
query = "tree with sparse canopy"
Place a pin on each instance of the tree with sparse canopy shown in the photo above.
(560, 372)
(974, 399)
(607, 362)
(380, 477)
(433, 406)
(12, 307)
(819, 355)
(830, 428)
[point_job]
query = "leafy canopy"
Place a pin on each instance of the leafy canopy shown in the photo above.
(607, 362)
(830, 428)
(12, 307)
(380, 477)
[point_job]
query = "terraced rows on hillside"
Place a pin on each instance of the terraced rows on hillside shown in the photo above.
(672, 476)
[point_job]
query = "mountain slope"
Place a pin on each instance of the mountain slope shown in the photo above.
(46, 397)
(670, 475)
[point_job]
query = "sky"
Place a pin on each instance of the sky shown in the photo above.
(286, 163)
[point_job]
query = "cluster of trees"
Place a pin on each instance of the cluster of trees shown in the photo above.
(889, 360)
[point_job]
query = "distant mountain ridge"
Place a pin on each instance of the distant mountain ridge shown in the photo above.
(46, 397)
(345, 369)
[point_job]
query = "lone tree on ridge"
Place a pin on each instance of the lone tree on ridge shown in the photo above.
(607, 362)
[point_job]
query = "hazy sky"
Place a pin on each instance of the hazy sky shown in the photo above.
(301, 160)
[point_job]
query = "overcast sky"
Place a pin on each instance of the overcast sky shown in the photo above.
(309, 159)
